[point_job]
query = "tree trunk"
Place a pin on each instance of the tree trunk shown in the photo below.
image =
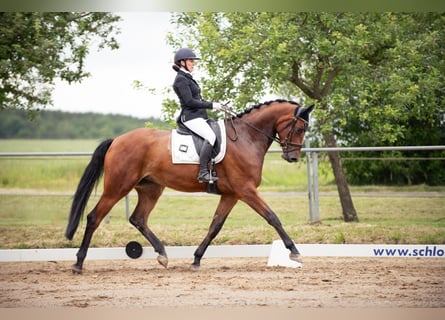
(349, 213)
(317, 93)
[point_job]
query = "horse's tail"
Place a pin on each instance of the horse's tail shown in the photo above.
(86, 184)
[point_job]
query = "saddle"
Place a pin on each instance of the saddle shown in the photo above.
(186, 145)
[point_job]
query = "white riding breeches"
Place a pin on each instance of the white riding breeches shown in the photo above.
(201, 128)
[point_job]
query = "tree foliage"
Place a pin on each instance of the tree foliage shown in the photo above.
(373, 70)
(38, 47)
(357, 66)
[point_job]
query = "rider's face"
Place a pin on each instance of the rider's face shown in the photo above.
(190, 63)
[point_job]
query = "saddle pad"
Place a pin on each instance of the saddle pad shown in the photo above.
(184, 151)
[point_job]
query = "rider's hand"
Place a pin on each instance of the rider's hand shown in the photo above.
(217, 106)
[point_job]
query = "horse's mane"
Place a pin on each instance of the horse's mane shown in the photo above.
(239, 115)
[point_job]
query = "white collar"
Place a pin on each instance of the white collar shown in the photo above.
(186, 71)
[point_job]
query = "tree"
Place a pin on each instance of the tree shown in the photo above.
(399, 103)
(38, 47)
(329, 58)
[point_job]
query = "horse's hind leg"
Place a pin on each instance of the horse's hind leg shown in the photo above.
(94, 218)
(148, 195)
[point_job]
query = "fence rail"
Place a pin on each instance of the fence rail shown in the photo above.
(312, 165)
(307, 149)
(45, 154)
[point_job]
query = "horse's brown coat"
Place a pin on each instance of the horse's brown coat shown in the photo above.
(141, 159)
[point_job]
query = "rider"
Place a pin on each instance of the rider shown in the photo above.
(194, 108)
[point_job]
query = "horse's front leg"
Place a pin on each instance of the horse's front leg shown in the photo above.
(254, 200)
(226, 203)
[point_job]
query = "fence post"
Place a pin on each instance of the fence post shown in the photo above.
(127, 206)
(309, 178)
(315, 216)
(127, 210)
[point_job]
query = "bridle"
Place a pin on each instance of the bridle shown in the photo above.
(285, 144)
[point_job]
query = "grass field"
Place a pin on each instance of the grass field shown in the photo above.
(35, 197)
(39, 221)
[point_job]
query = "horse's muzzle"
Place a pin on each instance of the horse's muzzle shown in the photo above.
(289, 158)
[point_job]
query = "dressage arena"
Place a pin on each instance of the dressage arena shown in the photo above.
(229, 282)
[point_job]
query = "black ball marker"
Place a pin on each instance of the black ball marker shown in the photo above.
(133, 249)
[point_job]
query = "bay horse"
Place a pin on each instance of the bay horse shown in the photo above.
(141, 159)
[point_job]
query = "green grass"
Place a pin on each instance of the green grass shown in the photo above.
(48, 173)
(183, 220)
(28, 145)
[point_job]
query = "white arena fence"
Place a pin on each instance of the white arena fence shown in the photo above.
(277, 254)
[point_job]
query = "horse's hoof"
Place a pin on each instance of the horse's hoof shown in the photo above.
(163, 261)
(76, 269)
(296, 257)
(194, 266)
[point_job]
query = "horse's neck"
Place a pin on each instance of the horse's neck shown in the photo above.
(265, 118)
(261, 124)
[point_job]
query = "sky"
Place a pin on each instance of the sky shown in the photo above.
(143, 55)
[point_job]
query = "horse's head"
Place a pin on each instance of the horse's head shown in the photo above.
(291, 130)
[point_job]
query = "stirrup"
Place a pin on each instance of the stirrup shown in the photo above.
(207, 177)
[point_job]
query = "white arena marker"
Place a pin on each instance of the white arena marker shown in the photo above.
(279, 256)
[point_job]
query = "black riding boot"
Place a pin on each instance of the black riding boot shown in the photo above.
(204, 159)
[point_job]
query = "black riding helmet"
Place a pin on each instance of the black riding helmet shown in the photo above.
(184, 54)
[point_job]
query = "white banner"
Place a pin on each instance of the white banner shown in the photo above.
(279, 255)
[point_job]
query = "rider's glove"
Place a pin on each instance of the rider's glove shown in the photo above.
(217, 106)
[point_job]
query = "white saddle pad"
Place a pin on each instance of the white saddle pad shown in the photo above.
(184, 151)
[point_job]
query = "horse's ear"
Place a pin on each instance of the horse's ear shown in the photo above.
(310, 108)
(304, 113)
